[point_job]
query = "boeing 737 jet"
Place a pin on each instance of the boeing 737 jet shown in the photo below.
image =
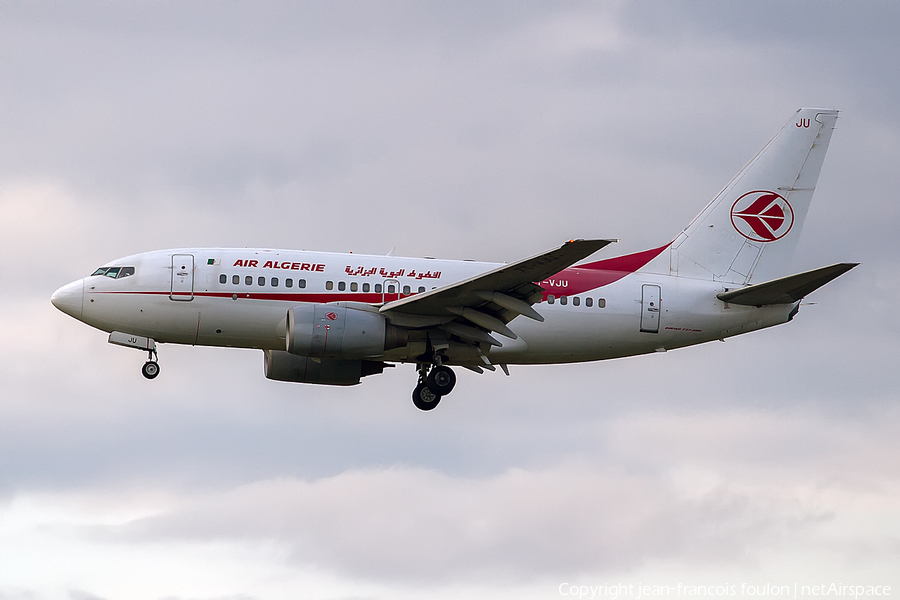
(331, 318)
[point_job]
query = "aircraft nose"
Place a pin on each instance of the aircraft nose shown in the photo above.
(70, 298)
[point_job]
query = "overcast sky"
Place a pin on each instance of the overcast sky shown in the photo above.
(477, 130)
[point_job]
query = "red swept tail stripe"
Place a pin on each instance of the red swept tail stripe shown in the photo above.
(590, 276)
(628, 263)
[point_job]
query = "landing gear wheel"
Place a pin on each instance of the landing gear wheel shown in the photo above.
(150, 369)
(441, 380)
(424, 398)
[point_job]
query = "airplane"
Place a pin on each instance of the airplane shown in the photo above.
(334, 318)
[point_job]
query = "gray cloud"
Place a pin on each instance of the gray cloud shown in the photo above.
(723, 487)
(519, 525)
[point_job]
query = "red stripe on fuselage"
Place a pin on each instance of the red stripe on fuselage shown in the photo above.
(284, 297)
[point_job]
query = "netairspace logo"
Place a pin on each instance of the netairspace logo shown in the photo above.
(681, 590)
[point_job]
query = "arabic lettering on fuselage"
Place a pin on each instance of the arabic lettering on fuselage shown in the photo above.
(386, 274)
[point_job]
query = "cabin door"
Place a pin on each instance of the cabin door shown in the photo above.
(182, 277)
(650, 309)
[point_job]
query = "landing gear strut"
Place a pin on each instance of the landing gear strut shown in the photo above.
(151, 368)
(435, 382)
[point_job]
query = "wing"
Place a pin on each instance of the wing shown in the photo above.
(471, 308)
(787, 289)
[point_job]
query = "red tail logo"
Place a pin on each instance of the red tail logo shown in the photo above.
(762, 216)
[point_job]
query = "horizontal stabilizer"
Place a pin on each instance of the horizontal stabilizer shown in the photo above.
(785, 290)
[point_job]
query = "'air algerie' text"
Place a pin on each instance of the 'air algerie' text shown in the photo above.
(274, 264)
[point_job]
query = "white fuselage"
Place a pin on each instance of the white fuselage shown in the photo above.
(240, 298)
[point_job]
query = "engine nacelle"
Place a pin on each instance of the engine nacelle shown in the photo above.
(284, 366)
(328, 330)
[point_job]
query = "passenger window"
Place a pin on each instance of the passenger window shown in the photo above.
(576, 301)
(329, 285)
(288, 282)
(406, 290)
(588, 302)
(126, 272)
(236, 279)
(377, 288)
(421, 288)
(223, 278)
(601, 303)
(563, 300)
(354, 287)
(112, 272)
(366, 287)
(301, 283)
(551, 299)
(341, 286)
(390, 289)
(261, 281)
(248, 280)
(274, 282)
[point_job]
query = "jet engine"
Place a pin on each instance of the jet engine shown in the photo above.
(284, 366)
(332, 331)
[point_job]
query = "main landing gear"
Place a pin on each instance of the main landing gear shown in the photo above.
(151, 368)
(434, 383)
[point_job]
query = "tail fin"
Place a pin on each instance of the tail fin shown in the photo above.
(748, 233)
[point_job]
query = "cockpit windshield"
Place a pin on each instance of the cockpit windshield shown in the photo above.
(114, 272)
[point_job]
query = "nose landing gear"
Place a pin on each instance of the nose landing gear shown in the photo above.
(151, 368)
(435, 382)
